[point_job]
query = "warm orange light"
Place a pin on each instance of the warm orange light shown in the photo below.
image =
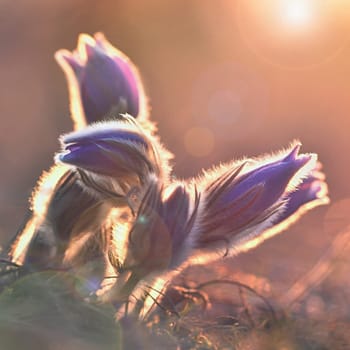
(39, 204)
(199, 141)
(294, 33)
(20, 247)
(297, 13)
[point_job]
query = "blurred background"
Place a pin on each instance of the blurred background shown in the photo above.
(225, 79)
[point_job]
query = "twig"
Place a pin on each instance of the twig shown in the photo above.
(239, 284)
(246, 306)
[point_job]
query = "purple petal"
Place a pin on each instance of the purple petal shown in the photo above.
(311, 192)
(272, 180)
(73, 62)
(158, 237)
(103, 79)
(114, 149)
(109, 133)
(238, 201)
(179, 220)
(105, 87)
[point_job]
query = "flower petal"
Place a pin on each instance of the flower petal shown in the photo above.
(102, 82)
(240, 204)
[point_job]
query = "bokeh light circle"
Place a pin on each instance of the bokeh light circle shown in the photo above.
(199, 141)
(231, 100)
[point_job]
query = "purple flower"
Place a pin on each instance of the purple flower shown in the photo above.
(242, 201)
(102, 81)
(114, 153)
(156, 242)
(230, 209)
(234, 208)
(154, 226)
(311, 192)
(115, 156)
(166, 217)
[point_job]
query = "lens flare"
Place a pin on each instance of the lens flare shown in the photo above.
(294, 34)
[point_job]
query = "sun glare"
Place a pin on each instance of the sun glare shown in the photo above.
(294, 33)
(297, 13)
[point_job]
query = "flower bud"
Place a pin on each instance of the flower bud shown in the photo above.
(242, 201)
(115, 156)
(157, 241)
(102, 81)
(61, 210)
(310, 193)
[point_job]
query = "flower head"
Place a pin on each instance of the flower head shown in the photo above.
(117, 154)
(233, 208)
(243, 200)
(114, 200)
(156, 241)
(102, 81)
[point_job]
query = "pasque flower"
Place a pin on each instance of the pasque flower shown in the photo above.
(223, 212)
(111, 194)
(156, 243)
(61, 210)
(242, 200)
(102, 81)
(115, 156)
